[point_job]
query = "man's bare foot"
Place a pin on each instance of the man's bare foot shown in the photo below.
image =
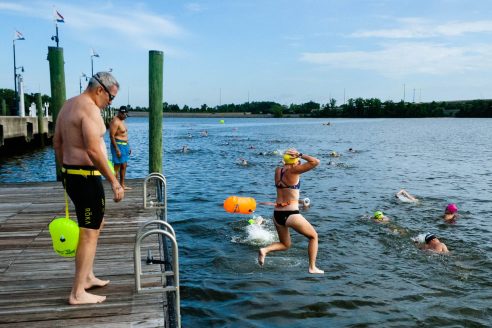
(127, 188)
(85, 298)
(261, 256)
(316, 270)
(95, 282)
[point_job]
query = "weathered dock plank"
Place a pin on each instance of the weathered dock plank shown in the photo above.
(35, 282)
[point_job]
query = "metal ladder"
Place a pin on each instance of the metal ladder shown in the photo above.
(156, 198)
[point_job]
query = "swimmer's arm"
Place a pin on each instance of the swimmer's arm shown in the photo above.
(311, 163)
(94, 144)
(406, 194)
(113, 128)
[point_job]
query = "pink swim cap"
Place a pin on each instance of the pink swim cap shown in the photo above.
(452, 208)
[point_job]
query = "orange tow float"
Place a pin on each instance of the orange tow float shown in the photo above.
(241, 205)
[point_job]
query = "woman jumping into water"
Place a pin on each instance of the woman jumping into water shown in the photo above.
(286, 214)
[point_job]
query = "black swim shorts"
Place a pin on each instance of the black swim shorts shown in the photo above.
(282, 216)
(87, 194)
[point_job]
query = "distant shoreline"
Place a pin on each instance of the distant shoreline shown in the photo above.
(202, 115)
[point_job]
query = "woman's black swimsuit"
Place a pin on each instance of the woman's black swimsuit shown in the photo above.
(282, 185)
(281, 216)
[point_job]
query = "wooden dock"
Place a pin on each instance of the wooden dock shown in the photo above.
(35, 282)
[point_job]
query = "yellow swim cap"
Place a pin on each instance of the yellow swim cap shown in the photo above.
(378, 215)
(290, 159)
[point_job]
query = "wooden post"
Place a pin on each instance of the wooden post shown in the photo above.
(156, 65)
(39, 110)
(58, 92)
(3, 111)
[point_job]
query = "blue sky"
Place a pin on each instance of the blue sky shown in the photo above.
(288, 51)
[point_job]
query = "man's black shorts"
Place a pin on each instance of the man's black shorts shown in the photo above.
(87, 194)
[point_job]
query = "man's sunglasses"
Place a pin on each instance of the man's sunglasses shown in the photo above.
(111, 97)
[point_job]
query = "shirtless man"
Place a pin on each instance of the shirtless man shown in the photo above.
(80, 150)
(120, 149)
(433, 244)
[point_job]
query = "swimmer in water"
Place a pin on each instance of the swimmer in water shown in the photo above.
(433, 244)
(243, 162)
(185, 149)
(450, 213)
(404, 196)
(256, 220)
(379, 217)
(334, 154)
(286, 213)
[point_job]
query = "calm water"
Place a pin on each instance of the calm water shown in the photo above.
(373, 277)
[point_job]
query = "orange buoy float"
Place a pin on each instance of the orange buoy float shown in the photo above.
(241, 205)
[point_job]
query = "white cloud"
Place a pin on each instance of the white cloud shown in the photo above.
(7, 6)
(413, 28)
(137, 24)
(194, 7)
(396, 60)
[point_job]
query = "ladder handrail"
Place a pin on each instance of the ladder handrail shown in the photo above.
(138, 265)
(160, 177)
(164, 223)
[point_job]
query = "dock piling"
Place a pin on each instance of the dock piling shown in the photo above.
(3, 109)
(58, 92)
(156, 63)
(39, 113)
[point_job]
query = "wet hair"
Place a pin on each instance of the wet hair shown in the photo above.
(429, 237)
(106, 78)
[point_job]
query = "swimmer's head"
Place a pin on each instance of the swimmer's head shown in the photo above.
(290, 159)
(378, 215)
(251, 221)
(451, 208)
(429, 237)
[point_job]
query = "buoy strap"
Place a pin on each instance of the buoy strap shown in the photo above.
(286, 203)
(67, 213)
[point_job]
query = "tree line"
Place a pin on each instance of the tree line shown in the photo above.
(353, 108)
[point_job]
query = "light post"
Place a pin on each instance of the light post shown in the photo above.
(18, 36)
(80, 81)
(94, 54)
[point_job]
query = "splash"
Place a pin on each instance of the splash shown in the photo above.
(258, 235)
(420, 238)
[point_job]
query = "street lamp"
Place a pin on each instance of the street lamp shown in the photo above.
(80, 81)
(94, 54)
(18, 36)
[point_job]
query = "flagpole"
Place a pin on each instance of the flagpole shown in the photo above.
(58, 19)
(18, 36)
(57, 39)
(15, 78)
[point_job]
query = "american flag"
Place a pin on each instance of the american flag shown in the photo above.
(58, 17)
(18, 36)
